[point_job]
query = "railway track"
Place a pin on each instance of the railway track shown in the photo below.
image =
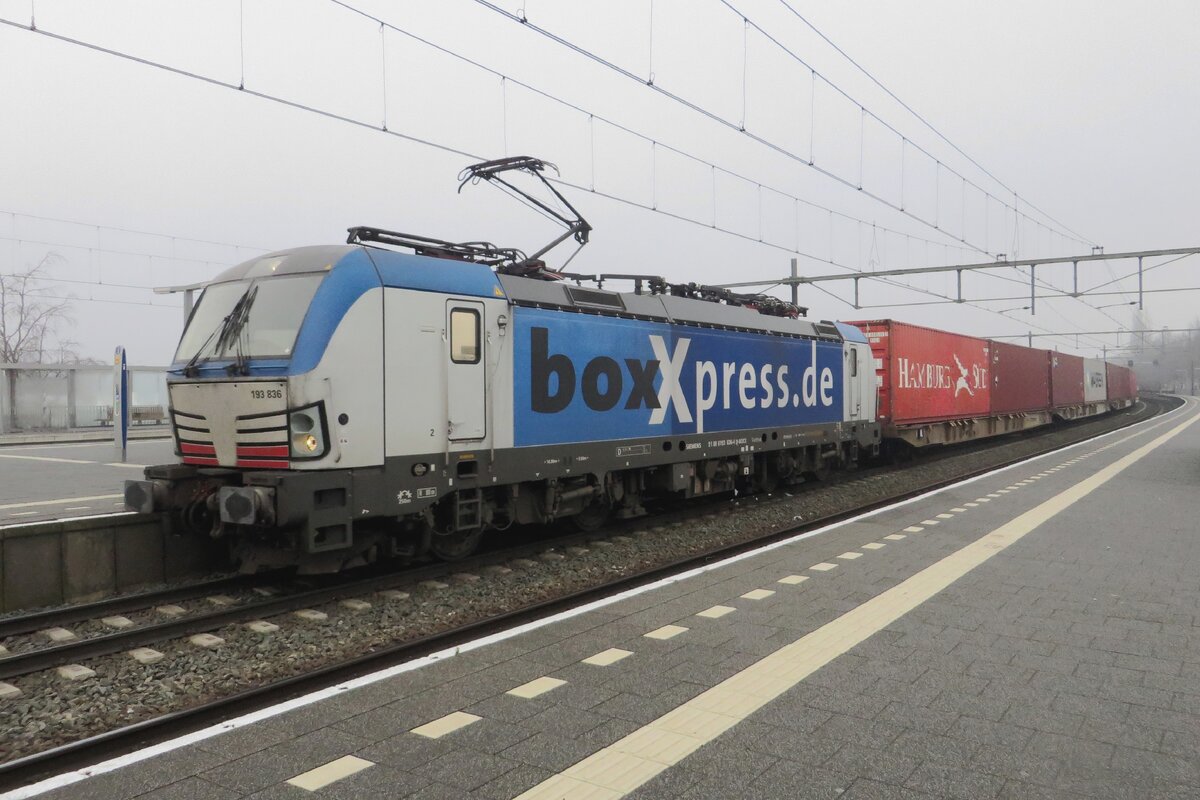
(65, 756)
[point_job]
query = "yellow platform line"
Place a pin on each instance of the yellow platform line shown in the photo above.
(618, 769)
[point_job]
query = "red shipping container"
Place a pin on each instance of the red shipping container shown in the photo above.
(1121, 384)
(1020, 378)
(1066, 380)
(927, 375)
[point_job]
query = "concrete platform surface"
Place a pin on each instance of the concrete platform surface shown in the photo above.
(57, 481)
(1029, 634)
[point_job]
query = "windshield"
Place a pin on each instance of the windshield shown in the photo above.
(273, 319)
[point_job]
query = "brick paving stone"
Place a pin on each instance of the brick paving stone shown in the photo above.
(512, 783)
(542, 750)
(1156, 767)
(918, 718)
(559, 720)
(793, 715)
(864, 789)
(607, 732)
(933, 747)
(858, 731)
(737, 765)
(1019, 790)
(254, 772)
(407, 751)
(489, 736)
(1015, 765)
(784, 778)
(950, 780)
(886, 766)
(797, 746)
(1042, 719)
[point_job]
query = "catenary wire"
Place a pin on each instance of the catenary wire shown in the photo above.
(926, 122)
(419, 140)
(733, 125)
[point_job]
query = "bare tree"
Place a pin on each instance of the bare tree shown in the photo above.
(27, 318)
(28, 321)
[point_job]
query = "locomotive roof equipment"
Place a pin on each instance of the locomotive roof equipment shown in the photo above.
(507, 260)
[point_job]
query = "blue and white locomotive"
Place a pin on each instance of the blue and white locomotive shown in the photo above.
(337, 404)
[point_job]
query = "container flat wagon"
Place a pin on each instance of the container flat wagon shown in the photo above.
(1020, 387)
(934, 386)
(937, 387)
(1122, 386)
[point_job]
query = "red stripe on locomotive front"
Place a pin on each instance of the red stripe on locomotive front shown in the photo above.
(199, 449)
(201, 460)
(262, 463)
(271, 451)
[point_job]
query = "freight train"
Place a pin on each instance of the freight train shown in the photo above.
(941, 388)
(335, 405)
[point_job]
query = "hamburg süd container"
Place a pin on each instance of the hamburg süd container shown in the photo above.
(927, 375)
(1020, 378)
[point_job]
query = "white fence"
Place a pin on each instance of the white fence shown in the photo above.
(45, 397)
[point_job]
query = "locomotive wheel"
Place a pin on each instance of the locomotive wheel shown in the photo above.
(455, 546)
(591, 518)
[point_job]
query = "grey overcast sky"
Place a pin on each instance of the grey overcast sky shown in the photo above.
(136, 176)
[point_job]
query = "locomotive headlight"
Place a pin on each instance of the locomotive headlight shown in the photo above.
(306, 431)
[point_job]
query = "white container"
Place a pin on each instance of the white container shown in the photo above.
(1095, 381)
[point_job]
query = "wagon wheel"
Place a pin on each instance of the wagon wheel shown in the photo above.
(457, 545)
(592, 517)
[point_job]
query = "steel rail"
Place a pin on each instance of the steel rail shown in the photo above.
(86, 751)
(23, 663)
(66, 615)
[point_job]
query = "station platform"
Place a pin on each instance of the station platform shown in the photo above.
(1031, 633)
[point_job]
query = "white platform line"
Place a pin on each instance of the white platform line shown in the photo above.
(60, 501)
(47, 458)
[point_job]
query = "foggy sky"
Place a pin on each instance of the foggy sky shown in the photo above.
(1088, 110)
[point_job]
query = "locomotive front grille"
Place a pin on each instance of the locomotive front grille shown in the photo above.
(231, 423)
(195, 438)
(262, 441)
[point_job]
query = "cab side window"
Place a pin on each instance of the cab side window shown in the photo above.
(464, 336)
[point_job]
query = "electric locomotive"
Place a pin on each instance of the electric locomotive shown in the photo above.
(333, 405)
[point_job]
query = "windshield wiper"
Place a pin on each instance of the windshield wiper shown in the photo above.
(232, 323)
(231, 332)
